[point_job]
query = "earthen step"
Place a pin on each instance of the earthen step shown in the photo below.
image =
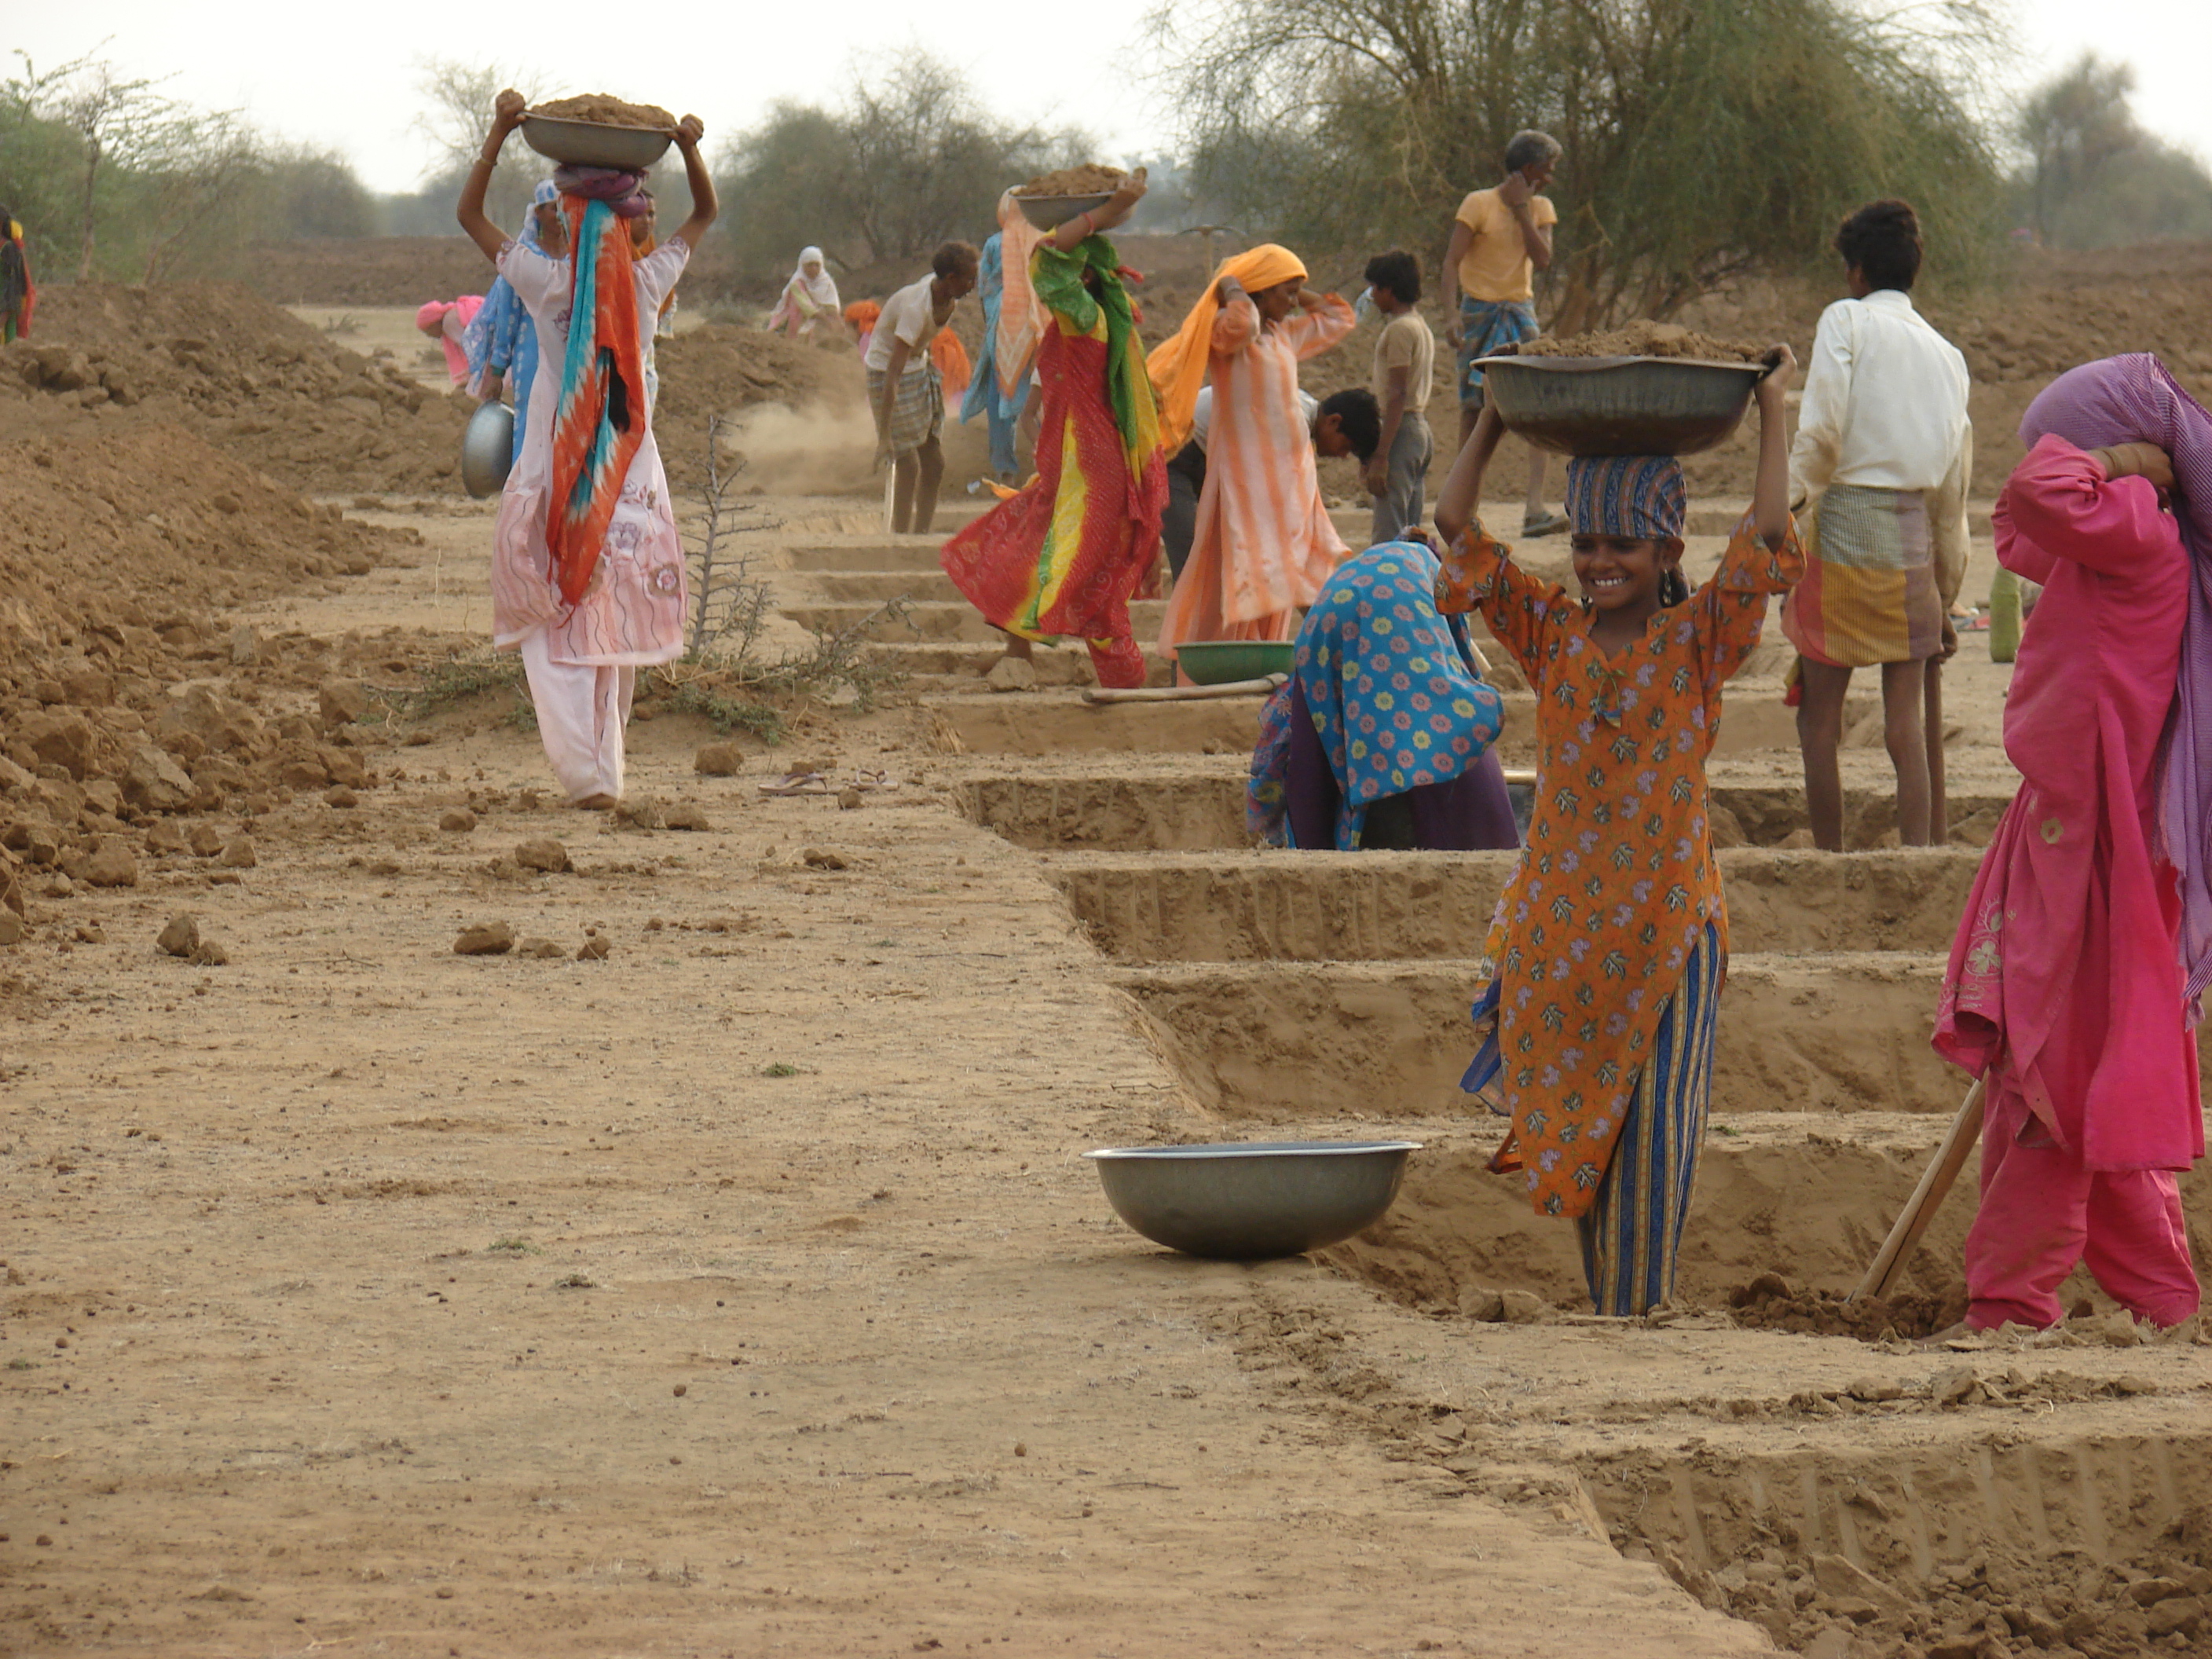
(1281, 1041)
(1196, 803)
(916, 554)
(940, 620)
(1364, 906)
(959, 665)
(873, 586)
(1050, 725)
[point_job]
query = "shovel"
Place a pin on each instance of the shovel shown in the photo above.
(1965, 1133)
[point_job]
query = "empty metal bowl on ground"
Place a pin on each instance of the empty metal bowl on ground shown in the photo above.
(1051, 212)
(487, 450)
(1622, 405)
(1218, 662)
(593, 145)
(1248, 1200)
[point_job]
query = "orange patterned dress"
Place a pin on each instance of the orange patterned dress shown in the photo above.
(1618, 881)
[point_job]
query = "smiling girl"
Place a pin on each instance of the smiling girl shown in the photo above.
(1610, 943)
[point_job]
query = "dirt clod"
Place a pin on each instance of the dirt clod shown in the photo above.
(484, 939)
(341, 798)
(457, 820)
(596, 946)
(237, 854)
(719, 760)
(541, 950)
(181, 937)
(685, 817)
(110, 867)
(542, 853)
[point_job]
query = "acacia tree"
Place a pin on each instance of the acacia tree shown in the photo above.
(456, 113)
(2094, 178)
(910, 159)
(1703, 137)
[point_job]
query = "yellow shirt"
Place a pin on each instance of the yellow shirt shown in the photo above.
(1497, 265)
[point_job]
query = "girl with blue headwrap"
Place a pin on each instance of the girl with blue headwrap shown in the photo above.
(500, 344)
(1610, 942)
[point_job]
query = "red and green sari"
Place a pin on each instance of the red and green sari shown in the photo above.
(1062, 557)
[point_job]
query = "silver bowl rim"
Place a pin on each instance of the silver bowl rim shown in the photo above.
(1590, 365)
(1257, 1149)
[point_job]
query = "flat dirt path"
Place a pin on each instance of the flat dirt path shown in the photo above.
(743, 1293)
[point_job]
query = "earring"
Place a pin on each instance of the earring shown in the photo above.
(1585, 602)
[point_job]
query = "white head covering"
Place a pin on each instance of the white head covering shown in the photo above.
(822, 290)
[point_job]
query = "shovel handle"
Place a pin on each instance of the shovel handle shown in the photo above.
(1966, 1131)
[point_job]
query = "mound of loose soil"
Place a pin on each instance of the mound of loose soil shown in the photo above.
(1770, 1303)
(721, 370)
(126, 543)
(604, 110)
(1089, 179)
(1644, 339)
(246, 375)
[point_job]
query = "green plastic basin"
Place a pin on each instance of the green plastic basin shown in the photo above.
(1217, 662)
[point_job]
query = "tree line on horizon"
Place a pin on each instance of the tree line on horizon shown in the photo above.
(1703, 140)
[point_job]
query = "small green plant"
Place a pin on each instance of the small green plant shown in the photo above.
(512, 1247)
(727, 713)
(779, 1069)
(574, 1282)
(460, 679)
(23, 1364)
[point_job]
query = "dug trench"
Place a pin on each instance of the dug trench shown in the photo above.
(1788, 1458)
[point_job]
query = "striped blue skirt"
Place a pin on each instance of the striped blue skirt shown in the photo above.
(1632, 1234)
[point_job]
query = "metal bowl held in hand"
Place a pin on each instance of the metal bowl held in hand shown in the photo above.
(488, 450)
(592, 145)
(1246, 1201)
(1051, 212)
(1620, 405)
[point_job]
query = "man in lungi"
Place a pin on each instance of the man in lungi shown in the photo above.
(1884, 452)
(905, 393)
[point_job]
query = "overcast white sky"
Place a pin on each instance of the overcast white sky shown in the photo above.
(326, 75)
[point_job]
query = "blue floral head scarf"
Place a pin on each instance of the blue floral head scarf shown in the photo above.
(1638, 496)
(1389, 685)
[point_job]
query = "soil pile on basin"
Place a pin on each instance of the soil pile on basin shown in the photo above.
(1089, 179)
(603, 111)
(128, 545)
(245, 374)
(1642, 338)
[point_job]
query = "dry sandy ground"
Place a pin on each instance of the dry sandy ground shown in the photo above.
(740, 1293)
(744, 1292)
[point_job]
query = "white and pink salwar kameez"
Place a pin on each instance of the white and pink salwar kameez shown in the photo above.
(582, 664)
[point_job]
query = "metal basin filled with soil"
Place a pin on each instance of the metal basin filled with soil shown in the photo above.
(1622, 405)
(1248, 1200)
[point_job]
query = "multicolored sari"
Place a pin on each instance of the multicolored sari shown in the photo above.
(598, 418)
(1063, 556)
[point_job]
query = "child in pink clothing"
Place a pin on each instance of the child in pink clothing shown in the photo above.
(2066, 987)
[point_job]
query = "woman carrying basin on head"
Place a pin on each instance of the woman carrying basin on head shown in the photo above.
(1263, 542)
(587, 570)
(1610, 942)
(2077, 975)
(1063, 556)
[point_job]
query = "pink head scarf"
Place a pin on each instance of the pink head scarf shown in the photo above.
(463, 310)
(2132, 399)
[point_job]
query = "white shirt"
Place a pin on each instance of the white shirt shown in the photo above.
(908, 315)
(1201, 420)
(1884, 407)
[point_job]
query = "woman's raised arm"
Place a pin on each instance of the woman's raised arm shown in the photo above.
(506, 116)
